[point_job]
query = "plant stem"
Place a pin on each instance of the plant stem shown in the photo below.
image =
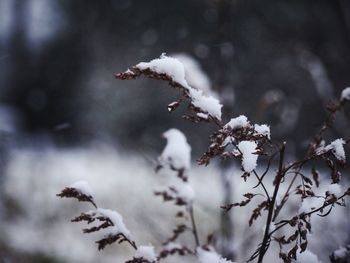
(194, 228)
(279, 177)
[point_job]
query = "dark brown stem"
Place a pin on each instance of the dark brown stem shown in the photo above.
(262, 185)
(280, 174)
(286, 222)
(194, 228)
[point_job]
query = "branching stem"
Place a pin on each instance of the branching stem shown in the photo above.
(279, 176)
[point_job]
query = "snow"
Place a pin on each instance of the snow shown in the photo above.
(335, 146)
(249, 157)
(205, 256)
(117, 221)
(166, 65)
(202, 115)
(185, 192)
(337, 149)
(146, 252)
(345, 94)
(340, 253)
(83, 188)
(309, 204)
(207, 104)
(176, 70)
(239, 122)
(307, 257)
(321, 148)
(172, 245)
(335, 189)
(177, 152)
(194, 74)
(263, 130)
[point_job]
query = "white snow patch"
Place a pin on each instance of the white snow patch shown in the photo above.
(207, 104)
(340, 253)
(239, 122)
(172, 245)
(82, 187)
(263, 130)
(146, 252)
(205, 256)
(337, 149)
(177, 152)
(345, 94)
(335, 189)
(309, 204)
(117, 220)
(166, 65)
(185, 192)
(307, 257)
(249, 157)
(203, 115)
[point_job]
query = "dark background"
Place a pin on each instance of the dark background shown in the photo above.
(278, 62)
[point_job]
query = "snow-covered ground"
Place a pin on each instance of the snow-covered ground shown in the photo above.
(125, 183)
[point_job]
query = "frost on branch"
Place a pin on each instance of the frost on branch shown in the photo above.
(172, 70)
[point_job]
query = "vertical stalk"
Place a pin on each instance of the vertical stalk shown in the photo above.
(280, 174)
(194, 228)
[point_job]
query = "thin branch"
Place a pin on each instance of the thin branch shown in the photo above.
(280, 174)
(194, 228)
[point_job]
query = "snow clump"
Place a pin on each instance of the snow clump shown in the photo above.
(263, 130)
(345, 94)
(177, 152)
(249, 155)
(239, 122)
(117, 220)
(146, 252)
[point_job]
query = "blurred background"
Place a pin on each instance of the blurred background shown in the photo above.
(63, 116)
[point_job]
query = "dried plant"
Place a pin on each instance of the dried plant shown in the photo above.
(240, 140)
